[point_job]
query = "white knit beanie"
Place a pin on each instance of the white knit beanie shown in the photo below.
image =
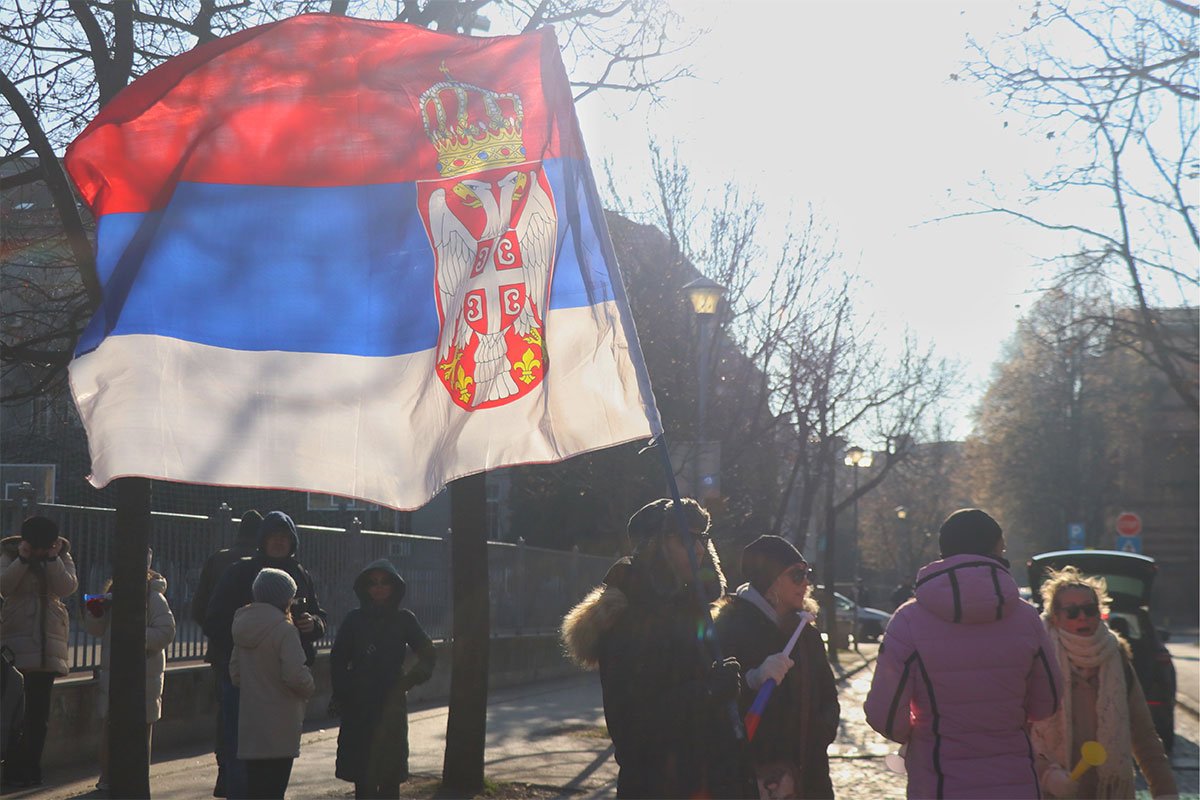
(274, 586)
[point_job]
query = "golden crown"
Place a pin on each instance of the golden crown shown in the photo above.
(483, 132)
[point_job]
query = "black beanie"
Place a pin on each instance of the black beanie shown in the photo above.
(969, 530)
(764, 559)
(40, 532)
(248, 527)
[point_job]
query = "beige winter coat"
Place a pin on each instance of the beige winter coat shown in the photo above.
(268, 665)
(160, 632)
(34, 623)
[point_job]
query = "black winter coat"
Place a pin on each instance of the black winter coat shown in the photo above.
(801, 719)
(671, 738)
(370, 685)
(236, 589)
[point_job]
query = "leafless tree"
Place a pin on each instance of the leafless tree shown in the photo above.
(1115, 85)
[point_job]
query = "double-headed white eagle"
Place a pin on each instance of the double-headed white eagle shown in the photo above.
(458, 276)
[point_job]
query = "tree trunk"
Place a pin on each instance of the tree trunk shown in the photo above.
(128, 758)
(466, 726)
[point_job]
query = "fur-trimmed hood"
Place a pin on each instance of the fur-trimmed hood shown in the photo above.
(626, 584)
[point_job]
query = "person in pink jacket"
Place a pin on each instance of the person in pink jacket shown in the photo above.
(964, 667)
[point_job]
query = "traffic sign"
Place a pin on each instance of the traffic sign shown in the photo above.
(1129, 544)
(1076, 539)
(1129, 524)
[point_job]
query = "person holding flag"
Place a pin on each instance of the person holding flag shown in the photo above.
(643, 628)
(1102, 700)
(756, 625)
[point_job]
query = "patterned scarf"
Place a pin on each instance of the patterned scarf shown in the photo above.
(1052, 737)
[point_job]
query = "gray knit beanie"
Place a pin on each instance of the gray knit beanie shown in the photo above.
(274, 586)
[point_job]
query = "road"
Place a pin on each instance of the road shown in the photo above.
(1185, 652)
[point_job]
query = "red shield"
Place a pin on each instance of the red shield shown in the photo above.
(479, 257)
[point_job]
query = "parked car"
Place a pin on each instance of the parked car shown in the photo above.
(870, 622)
(1130, 577)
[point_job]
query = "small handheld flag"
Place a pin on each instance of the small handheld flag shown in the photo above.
(754, 715)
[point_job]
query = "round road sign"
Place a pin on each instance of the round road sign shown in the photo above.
(1129, 524)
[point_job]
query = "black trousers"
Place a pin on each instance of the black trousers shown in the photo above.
(381, 792)
(23, 762)
(267, 778)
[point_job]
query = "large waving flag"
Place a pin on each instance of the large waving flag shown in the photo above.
(352, 257)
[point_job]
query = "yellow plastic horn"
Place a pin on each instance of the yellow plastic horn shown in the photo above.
(1092, 754)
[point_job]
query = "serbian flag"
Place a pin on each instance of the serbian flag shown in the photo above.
(351, 257)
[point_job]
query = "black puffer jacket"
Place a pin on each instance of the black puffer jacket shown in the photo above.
(801, 718)
(671, 738)
(370, 684)
(236, 589)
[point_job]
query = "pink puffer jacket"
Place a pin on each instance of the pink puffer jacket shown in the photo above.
(963, 668)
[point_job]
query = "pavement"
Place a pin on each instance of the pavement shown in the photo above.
(551, 736)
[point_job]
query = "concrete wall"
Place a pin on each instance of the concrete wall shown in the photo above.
(190, 706)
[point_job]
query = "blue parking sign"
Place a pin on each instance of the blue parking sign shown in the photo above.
(1129, 544)
(1076, 539)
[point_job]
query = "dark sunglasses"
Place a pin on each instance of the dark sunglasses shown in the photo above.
(801, 574)
(1073, 612)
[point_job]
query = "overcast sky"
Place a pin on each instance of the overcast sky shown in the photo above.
(849, 106)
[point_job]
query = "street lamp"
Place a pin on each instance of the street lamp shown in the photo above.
(705, 297)
(857, 457)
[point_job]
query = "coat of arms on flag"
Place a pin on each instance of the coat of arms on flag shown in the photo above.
(492, 223)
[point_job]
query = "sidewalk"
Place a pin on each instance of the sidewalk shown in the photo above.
(550, 735)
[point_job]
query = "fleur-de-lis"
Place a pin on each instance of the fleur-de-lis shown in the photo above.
(463, 382)
(534, 337)
(527, 365)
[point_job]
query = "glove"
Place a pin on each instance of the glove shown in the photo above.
(774, 668)
(724, 679)
(1058, 782)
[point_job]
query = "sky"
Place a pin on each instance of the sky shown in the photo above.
(849, 107)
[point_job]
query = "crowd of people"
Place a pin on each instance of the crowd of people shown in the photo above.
(259, 610)
(986, 698)
(708, 690)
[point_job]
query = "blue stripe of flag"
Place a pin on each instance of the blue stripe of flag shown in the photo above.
(345, 269)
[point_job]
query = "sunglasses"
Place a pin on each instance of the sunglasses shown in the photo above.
(801, 574)
(1073, 612)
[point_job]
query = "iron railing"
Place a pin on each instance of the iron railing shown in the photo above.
(530, 587)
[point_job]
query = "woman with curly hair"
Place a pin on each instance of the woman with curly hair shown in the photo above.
(1102, 699)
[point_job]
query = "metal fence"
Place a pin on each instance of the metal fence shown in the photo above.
(530, 587)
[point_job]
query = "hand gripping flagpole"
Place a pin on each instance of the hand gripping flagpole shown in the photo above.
(754, 715)
(709, 638)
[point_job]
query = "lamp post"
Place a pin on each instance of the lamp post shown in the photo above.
(856, 457)
(902, 522)
(705, 297)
